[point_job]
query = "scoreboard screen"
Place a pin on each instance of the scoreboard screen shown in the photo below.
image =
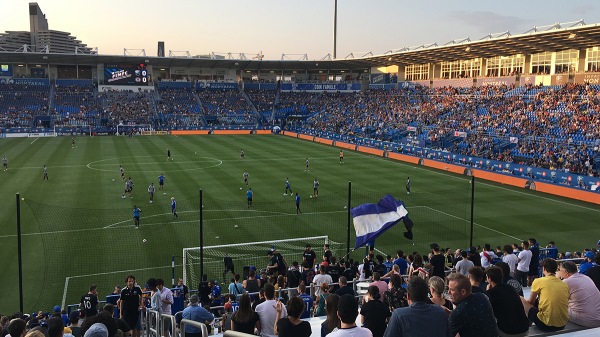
(126, 74)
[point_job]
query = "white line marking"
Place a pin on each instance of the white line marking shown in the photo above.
(64, 297)
(34, 140)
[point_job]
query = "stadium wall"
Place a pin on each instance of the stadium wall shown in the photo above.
(572, 193)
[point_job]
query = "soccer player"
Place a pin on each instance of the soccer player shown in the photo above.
(246, 175)
(307, 168)
(161, 181)
(136, 216)
(5, 163)
(122, 170)
(341, 156)
(408, 185)
(128, 188)
(73, 142)
(169, 155)
(242, 154)
(298, 211)
(151, 192)
(287, 187)
(249, 195)
(315, 188)
(174, 207)
(45, 173)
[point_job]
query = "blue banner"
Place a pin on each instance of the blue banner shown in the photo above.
(174, 85)
(221, 86)
(320, 87)
(31, 81)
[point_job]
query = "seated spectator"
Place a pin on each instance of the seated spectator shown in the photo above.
(463, 265)
(395, 296)
(551, 314)
(476, 278)
(291, 325)
(245, 319)
(584, 297)
(332, 321)
(320, 302)
(473, 315)
(594, 272)
(588, 262)
(347, 312)
(382, 285)
(344, 287)
(419, 318)
(16, 327)
(307, 299)
(436, 289)
(509, 280)
(374, 314)
(507, 306)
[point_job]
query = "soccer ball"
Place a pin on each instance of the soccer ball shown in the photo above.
(113, 180)
(345, 207)
(144, 241)
(236, 226)
(311, 196)
(165, 193)
(22, 198)
(240, 188)
(216, 237)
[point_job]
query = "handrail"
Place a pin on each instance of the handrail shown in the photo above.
(199, 325)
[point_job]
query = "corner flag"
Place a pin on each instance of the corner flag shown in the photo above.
(372, 220)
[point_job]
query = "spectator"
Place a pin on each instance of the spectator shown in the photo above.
(509, 280)
(56, 327)
(478, 285)
(584, 297)
(195, 312)
(534, 264)
(245, 319)
(419, 319)
(251, 285)
(374, 314)
(320, 302)
(507, 306)
(377, 282)
(510, 259)
(110, 309)
(332, 321)
(436, 289)
(594, 272)
(523, 260)
(166, 296)
(266, 312)
(291, 325)
(307, 299)
(323, 277)
(473, 315)
(464, 264)
(347, 312)
(235, 287)
(552, 312)
(438, 262)
(74, 323)
(344, 287)
(401, 262)
(588, 262)
(395, 296)
(97, 330)
(16, 327)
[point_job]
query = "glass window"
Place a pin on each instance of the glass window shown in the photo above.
(415, 72)
(566, 61)
(541, 63)
(592, 59)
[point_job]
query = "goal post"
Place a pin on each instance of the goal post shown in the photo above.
(247, 255)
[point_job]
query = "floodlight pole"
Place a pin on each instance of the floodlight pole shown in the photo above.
(201, 241)
(349, 218)
(334, 28)
(20, 261)
(472, 209)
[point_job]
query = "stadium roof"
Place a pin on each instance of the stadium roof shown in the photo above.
(539, 39)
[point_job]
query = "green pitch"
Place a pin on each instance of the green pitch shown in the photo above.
(77, 229)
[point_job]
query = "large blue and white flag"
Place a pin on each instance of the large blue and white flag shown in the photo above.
(372, 220)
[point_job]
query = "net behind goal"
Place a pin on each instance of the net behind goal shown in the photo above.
(249, 254)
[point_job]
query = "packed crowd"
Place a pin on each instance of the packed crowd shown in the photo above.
(473, 292)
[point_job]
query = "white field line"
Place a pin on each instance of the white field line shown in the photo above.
(34, 140)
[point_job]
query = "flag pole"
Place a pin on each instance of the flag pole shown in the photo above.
(349, 218)
(472, 209)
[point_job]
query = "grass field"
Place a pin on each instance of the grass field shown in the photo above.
(77, 229)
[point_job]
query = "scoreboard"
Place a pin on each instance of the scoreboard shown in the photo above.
(126, 74)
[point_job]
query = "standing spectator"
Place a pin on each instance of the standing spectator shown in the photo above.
(267, 313)
(374, 314)
(245, 319)
(321, 279)
(473, 314)
(438, 262)
(74, 323)
(395, 296)
(381, 285)
(130, 305)
(183, 289)
(195, 312)
(155, 298)
(89, 302)
(252, 285)
(508, 309)
(347, 311)
(552, 312)
(344, 287)
(463, 265)
(332, 321)
(474, 256)
(307, 299)
(594, 272)
(327, 254)
(487, 256)
(291, 325)
(293, 276)
(166, 296)
(235, 287)
(534, 264)
(401, 262)
(584, 297)
(523, 260)
(309, 256)
(510, 259)
(419, 319)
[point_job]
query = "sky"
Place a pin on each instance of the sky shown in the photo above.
(293, 28)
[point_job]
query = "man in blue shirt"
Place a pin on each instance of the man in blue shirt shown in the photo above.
(287, 187)
(588, 262)
(401, 262)
(136, 216)
(249, 196)
(174, 208)
(308, 301)
(298, 211)
(197, 313)
(419, 318)
(161, 181)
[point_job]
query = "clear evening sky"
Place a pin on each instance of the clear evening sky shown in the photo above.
(292, 27)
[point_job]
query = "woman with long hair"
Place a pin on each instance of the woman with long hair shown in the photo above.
(291, 325)
(332, 321)
(245, 319)
(395, 296)
(320, 303)
(374, 314)
(414, 267)
(436, 289)
(395, 271)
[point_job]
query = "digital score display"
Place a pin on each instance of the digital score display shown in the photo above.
(126, 74)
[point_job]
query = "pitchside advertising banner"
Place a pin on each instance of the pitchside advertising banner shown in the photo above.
(547, 175)
(349, 87)
(503, 80)
(126, 74)
(25, 81)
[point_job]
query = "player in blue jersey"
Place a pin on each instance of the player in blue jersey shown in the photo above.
(174, 207)
(136, 216)
(161, 181)
(287, 187)
(298, 211)
(249, 195)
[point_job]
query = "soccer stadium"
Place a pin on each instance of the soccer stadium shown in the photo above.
(213, 171)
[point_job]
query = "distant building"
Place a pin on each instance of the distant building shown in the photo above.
(39, 37)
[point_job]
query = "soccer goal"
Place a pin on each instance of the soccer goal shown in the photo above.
(138, 129)
(250, 254)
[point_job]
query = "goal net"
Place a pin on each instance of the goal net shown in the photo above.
(249, 254)
(137, 129)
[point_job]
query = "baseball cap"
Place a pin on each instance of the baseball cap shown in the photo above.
(590, 255)
(598, 243)
(57, 308)
(270, 251)
(194, 299)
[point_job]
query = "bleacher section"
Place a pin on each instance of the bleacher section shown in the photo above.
(20, 103)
